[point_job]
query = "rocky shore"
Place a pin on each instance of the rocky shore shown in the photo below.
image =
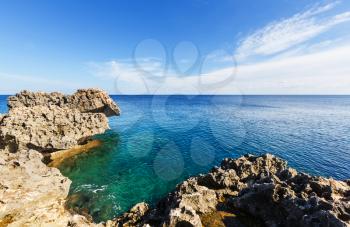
(42, 125)
(247, 191)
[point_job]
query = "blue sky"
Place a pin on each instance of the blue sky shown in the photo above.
(196, 47)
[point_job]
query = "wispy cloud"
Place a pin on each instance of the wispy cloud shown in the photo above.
(284, 34)
(280, 58)
(130, 76)
(321, 72)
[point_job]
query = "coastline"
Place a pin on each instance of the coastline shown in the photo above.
(32, 193)
(238, 183)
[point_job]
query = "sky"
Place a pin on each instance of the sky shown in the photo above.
(176, 47)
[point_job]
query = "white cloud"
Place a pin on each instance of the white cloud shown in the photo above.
(129, 76)
(320, 72)
(324, 72)
(281, 35)
(291, 63)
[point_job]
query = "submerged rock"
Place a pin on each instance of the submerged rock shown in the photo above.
(263, 188)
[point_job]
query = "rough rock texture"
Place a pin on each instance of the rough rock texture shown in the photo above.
(31, 193)
(262, 188)
(132, 217)
(48, 128)
(85, 100)
(248, 191)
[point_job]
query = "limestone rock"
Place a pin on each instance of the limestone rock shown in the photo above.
(85, 100)
(32, 194)
(263, 188)
(199, 198)
(94, 101)
(132, 217)
(48, 128)
(184, 216)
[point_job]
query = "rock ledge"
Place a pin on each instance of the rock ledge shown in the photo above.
(249, 191)
(31, 193)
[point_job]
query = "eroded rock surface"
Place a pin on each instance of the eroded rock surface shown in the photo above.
(262, 188)
(31, 193)
(49, 128)
(85, 100)
(54, 121)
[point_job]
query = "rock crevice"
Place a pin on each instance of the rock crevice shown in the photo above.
(31, 193)
(247, 191)
(250, 191)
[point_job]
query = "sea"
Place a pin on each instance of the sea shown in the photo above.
(158, 141)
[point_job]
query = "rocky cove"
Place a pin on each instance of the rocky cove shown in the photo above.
(248, 191)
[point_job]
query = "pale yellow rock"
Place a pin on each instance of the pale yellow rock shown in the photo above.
(32, 194)
(49, 128)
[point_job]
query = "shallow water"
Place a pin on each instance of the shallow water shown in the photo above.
(158, 141)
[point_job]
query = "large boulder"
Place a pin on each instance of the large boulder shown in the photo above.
(85, 100)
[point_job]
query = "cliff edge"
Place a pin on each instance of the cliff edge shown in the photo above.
(31, 193)
(248, 191)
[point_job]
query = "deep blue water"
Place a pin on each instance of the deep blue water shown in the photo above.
(3, 103)
(160, 140)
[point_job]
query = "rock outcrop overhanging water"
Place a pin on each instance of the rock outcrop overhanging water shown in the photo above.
(31, 193)
(247, 191)
(53, 121)
(85, 100)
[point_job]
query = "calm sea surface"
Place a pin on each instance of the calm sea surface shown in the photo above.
(160, 140)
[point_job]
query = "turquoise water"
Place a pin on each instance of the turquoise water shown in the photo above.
(158, 141)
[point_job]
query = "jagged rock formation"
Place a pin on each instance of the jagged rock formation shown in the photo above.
(53, 121)
(31, 193)
(85, 100)
(248, 191)
(132, 217)
(49, 128)
(262, 188)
